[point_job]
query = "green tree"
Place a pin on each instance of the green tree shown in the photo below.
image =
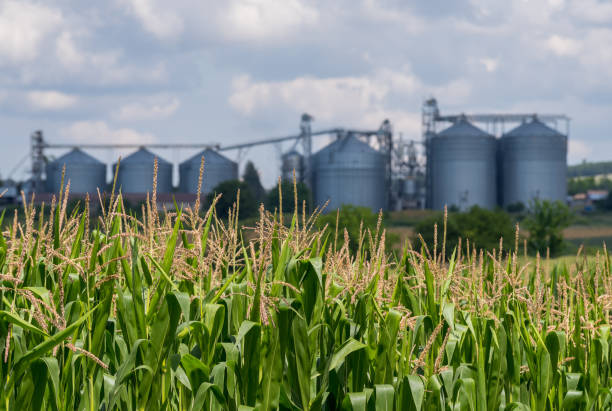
(545, 223)
(606, 203)
(251, 178)
(482, 227)
(303, 194)
(229, 194)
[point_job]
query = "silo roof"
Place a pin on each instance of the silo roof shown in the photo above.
(77, 156)
(143, 156)
(210, 157)
(463, 128)
(292, 153)
(348, 144)
(534, 128)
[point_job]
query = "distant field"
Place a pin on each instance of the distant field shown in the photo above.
(592, 230)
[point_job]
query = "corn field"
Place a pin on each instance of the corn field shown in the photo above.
(179, 310)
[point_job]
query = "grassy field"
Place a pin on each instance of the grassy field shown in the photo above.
(181, 311)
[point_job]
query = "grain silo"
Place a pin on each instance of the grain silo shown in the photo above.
(533, 164)
(463, 167)
(292, 160)
(86, 174)
(217, 169)
(349, 171)
(135, 175)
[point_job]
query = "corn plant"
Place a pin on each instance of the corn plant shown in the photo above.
(179, 310)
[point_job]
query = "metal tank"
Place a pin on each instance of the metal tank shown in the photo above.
(86, 173)
(533, 164)
(217, 169)
(349, 171)
(135, 173)
(292, 160)
(463, 167)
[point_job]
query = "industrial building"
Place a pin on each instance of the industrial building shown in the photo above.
(463, 169)
(349, 171)
(467, 166)
(135, 173)
(217, 169)
(85, 173)
(471, 161)
(533, 164)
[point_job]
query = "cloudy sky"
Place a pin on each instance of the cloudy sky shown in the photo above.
(234, 70)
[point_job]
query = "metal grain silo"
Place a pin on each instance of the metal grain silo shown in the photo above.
(292, 160)
(217, 168)
(135, 173)
(463, 167)
(533, 164)
(349, 171)
(86, 173)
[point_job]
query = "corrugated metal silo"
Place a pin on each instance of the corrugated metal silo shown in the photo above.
(533, 164)
(217, 168)
(135, 173)
(349, 171)
(463, 167)
(86, 173)
(292, 160)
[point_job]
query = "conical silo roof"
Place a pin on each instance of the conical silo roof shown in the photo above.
(534, 128)
(76, 156)
(463, 128)
(210, 157)
(348, 144)
(142, 155)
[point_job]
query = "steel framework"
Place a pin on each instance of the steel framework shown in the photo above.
(383, 138)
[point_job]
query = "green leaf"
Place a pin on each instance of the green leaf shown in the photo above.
(384, 397)
(44, 347)
(302, 349)
(38, 370)
(14, 319)
(354, 401)
(349, 346)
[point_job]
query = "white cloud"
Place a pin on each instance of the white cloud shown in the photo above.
(490, 64)
(330, 97)
(357, 100)
(160, 21)
(592, 11)
(23, 28)
(577, 150)
(101, 132)
(563, 46)
(50, 100)
(67, 52)
(265, 19)
(145, 111)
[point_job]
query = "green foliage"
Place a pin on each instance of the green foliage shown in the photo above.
(287, 189)
(590, 169)
(606, 204)
(518, 207)
(583, 184)
(178, 312)
(251, 179)
(545, 222)
(353, 219)
(229, 195)
(482, 227)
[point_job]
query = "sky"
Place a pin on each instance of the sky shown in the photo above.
(199, 71)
